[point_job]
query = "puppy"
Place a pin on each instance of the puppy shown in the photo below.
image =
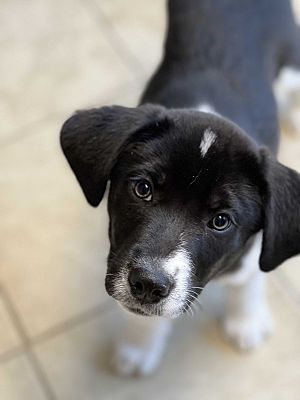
(195, 191)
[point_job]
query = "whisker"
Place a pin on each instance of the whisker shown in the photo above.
(196, 300)
(197, 307)
(197, 277)
(192, 312)
(189, 308)
(189, 311)
(200, 305)
(193, 291)
(193, 296)
(186, 309)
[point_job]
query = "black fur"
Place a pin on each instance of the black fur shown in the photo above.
(225, 53)
(281, 238)
(91, 141)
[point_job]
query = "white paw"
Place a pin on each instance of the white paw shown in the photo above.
(133, 360)
(248, 332)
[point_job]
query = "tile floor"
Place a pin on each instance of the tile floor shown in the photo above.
(56, 322)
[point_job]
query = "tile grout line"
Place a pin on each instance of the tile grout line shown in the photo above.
(51, 332)
(37, 368)
(69, 324)
(11, 354)
(114, 39)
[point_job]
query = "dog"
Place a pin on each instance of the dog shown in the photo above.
(196, 192)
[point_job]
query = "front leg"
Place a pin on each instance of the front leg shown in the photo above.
(141, 345)
(247, 319)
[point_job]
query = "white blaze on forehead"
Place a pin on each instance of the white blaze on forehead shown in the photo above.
(207, 108)
(208, 139)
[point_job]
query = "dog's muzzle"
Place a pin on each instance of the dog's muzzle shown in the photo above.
(152, 285)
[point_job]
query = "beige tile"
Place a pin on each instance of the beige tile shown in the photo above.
(289, 153)
(291, 270)
(288, 277)
(54, 245)
(290, 156)
(197, 363)
(9, 337)
(56, 60)
(141, 26)
(18, 381)
(128, 95)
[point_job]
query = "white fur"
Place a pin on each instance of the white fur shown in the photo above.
(207, 108)
(247, 320)
(178, 265)
(249, 265)
(207, 141)
(140, 348)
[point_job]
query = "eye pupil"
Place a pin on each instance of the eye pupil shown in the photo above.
(142, 189)
(220, 222)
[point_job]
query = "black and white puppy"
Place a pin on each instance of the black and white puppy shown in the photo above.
(195, 190)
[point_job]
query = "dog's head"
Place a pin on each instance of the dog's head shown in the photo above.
(187, 191)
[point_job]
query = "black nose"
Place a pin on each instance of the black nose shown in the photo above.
(149, 288)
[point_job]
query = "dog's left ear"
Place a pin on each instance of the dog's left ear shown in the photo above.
(281, 198)
(91, 141)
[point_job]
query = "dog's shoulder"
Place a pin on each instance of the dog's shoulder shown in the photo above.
(238, 268)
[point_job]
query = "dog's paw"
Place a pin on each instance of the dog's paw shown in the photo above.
(131, 360)
(247, 332)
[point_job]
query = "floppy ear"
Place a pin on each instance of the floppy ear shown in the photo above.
(91, 141)
(281, 235)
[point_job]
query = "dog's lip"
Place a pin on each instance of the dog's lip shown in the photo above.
(136, 310)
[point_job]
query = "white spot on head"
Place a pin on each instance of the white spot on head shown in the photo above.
(208, 139)
(207, 108)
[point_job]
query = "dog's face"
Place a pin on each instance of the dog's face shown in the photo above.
(187, 191)
(183, 195)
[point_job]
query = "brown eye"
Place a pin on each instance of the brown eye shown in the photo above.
(142, 189)
(220, 222)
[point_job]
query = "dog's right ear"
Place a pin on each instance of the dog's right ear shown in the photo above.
(91, 141)
(281, 200)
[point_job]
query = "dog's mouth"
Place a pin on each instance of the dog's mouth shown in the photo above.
(152, 310)
(175, 305)
(139, 311)
(130, 304)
